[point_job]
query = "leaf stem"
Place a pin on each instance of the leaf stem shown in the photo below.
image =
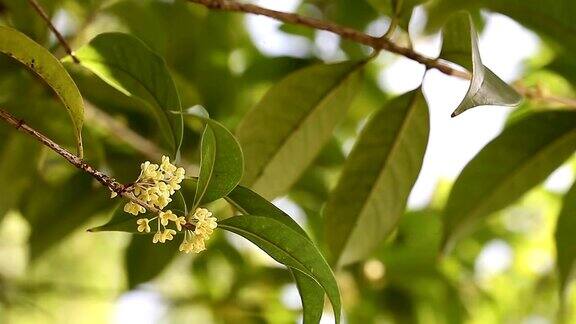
(104, 179)
(42, 13)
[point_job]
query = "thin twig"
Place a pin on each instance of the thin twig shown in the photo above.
(38, 8)
(377, 43)
(104, 179)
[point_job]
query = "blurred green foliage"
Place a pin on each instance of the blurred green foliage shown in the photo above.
(52, 271)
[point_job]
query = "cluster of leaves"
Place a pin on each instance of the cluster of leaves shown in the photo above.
(289, 144)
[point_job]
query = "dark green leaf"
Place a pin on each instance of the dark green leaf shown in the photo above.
(288, 247)
(514, 162)
(311, 294)
(460, 45)
(128, 65)
(377, 178)
(207, 161)
(56, 211)
(221, 164)
(145, 260)
(48, 68)
(286, 131)
(250, 203)
(18, 163)
(565, 239)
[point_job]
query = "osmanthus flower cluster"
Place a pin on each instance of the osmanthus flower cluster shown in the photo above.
(155, 186)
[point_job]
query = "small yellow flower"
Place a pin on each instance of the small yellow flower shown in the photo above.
(168, 234)
(184, 246)
(179, 222)
(197, 244)
(205, 223)
(158, 237)
(143, 225)
(166, 166)
(155, 184)
(134, 208)
(167, 216)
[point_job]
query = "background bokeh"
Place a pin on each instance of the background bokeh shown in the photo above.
(53, 271)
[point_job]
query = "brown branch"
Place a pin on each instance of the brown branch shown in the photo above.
(38, 8)
(377, 43)
(104, 179)
(141, 144)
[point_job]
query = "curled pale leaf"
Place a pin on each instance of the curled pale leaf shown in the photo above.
(460, 45)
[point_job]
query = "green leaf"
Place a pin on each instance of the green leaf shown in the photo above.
(565, 239)
(221, 163)
(285, 132)
(311, 293)
(39, 60)
(377, 178)
(288, 247)
(251, 203)
(128, 65)
(207, 161)
(19, 156)
(521, 157)
(145, 260)
(54, 212)
(553, 19)
(460, 47)
(121, 221)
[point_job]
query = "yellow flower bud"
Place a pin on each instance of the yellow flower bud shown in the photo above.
(143, 225)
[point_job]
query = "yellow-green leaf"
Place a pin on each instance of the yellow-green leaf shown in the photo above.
(377, 178)
(39, 60)
(288, 128)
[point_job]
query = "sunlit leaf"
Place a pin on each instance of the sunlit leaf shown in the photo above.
(565, 239)
(377, 178)
(39, 60)
(288, 247)
(128, 65)
(460, 45)
(289, 127)
(521, 157)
